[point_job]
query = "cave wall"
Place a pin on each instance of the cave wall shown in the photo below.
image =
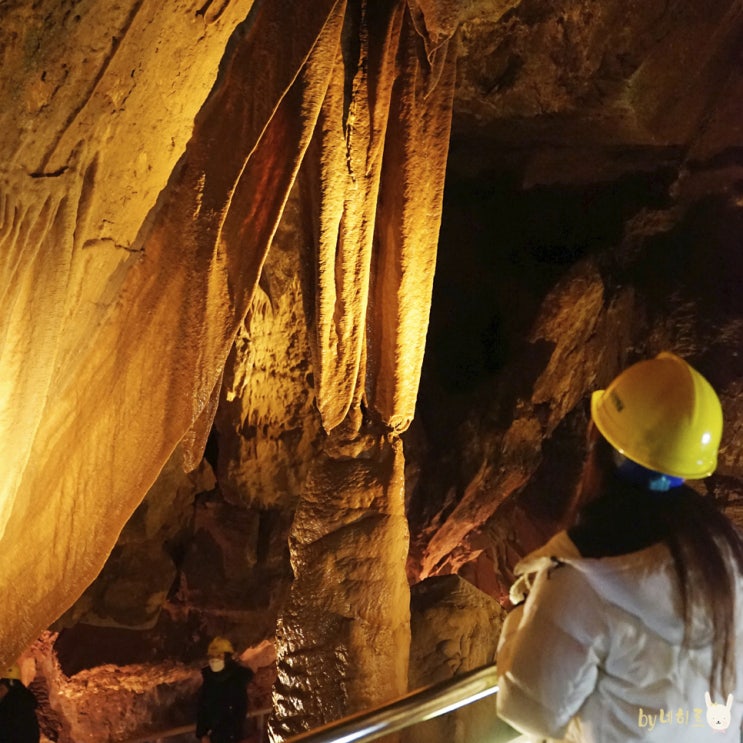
(79, 82)
(593, 199)
(507, 450)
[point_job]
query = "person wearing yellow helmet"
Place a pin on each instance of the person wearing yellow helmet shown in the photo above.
(18, 721)
(662, 416)
(629, 623)
(223, 701)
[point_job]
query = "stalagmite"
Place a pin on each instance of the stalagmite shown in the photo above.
(344, 634)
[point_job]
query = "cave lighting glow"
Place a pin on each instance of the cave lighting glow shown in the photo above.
(357, 734)
(462, 702)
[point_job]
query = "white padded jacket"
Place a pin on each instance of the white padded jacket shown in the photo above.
(596, 653)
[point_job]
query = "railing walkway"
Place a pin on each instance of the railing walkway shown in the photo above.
(417, 707)
(412, 709)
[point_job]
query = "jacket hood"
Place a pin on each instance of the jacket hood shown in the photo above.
(642, 583)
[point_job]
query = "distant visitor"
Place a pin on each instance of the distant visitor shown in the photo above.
(18, 722)
(223, 697)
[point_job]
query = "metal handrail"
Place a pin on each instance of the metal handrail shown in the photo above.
(418, 706)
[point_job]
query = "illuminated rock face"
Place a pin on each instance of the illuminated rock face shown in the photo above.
(350, 594)
(84, 160)
(592, 216)
(139, 343)
(455, 629)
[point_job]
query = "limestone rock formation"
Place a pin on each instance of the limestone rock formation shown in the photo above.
(77, 415)
(200, 249)
(344, 633)
(455, 629)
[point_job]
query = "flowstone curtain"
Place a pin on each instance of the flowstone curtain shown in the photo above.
(113, 346)
(117, 320)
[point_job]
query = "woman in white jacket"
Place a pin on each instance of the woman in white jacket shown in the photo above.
(632, 629)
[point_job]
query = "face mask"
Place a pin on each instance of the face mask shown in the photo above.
(216, 664)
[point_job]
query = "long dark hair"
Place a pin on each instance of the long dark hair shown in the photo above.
(614, 517)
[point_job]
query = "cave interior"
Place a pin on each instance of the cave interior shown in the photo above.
(304, 302)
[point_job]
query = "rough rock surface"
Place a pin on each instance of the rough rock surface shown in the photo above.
(344, 633)
(455, 629)
(80, 80)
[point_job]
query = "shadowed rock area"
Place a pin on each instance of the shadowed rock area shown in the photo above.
(303, 303)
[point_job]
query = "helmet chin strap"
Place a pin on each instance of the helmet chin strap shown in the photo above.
(638, 475)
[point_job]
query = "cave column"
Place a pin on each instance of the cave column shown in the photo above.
(372, 186)
(344, 635)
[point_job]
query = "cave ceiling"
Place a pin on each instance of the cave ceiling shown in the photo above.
(159, 203)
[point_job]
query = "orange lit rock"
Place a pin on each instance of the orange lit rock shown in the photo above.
(593, 216)
(74, 198)
(143, 311)
(372, 186)
(344, 633)
(454, 629)
(129, 340)
(110, 702)
(268, 426)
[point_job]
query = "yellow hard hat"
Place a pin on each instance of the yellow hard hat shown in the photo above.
(219, 646)
(662, 414)
(12, 672)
